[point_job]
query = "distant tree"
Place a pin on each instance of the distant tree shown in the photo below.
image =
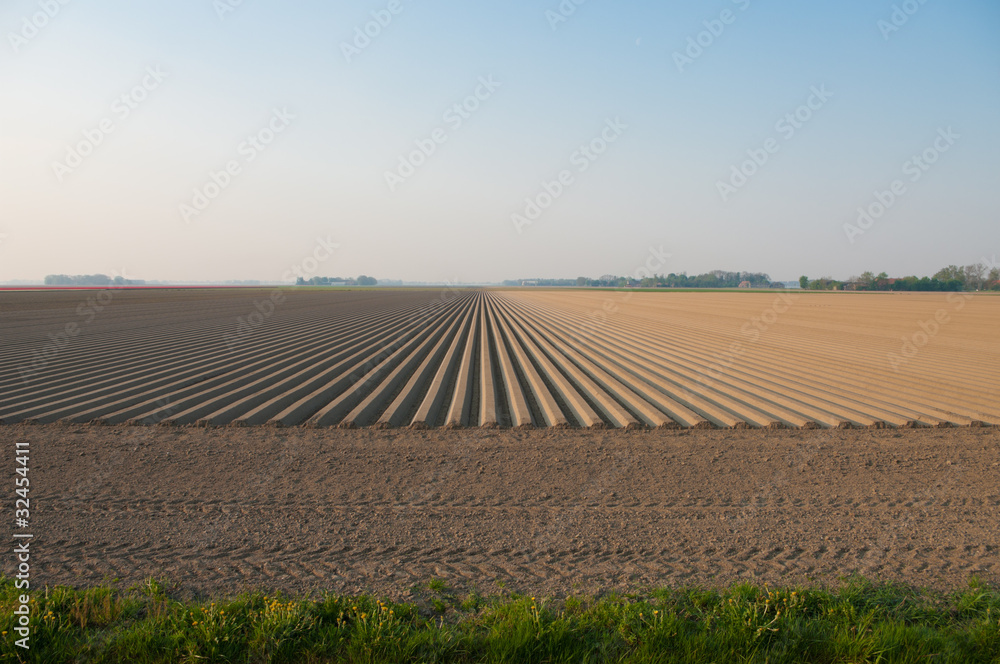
(975, 276)
(912, 283)
(367, 281)
(950, 273)
(866, 281)
(825, 283)
(83, 280)
(904, 284)
(881, 281)
(993, 279)
(803, 282)
(319, 281)
(582, 281)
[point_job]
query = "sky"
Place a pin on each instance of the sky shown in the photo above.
(475, 142)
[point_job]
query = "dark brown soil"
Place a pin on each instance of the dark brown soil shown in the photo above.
(535, 511)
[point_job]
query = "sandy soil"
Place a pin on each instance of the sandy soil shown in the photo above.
(538, 511)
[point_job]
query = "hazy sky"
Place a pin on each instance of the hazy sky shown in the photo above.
(115, 115)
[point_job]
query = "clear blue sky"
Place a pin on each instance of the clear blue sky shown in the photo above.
(657, 184)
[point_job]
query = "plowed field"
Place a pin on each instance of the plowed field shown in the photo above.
(500, 358)
(542, 511)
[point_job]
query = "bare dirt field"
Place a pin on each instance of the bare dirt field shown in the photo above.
(530, 440)
(500, 358)
(543, 511)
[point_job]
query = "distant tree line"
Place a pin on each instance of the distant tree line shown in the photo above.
(89, 280)
(540, 282)
(952, 278)
(363, 280)
(714, 279)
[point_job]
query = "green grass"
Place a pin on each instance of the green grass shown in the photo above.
(858, 622)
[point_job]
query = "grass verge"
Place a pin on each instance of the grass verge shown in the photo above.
(858, 622)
